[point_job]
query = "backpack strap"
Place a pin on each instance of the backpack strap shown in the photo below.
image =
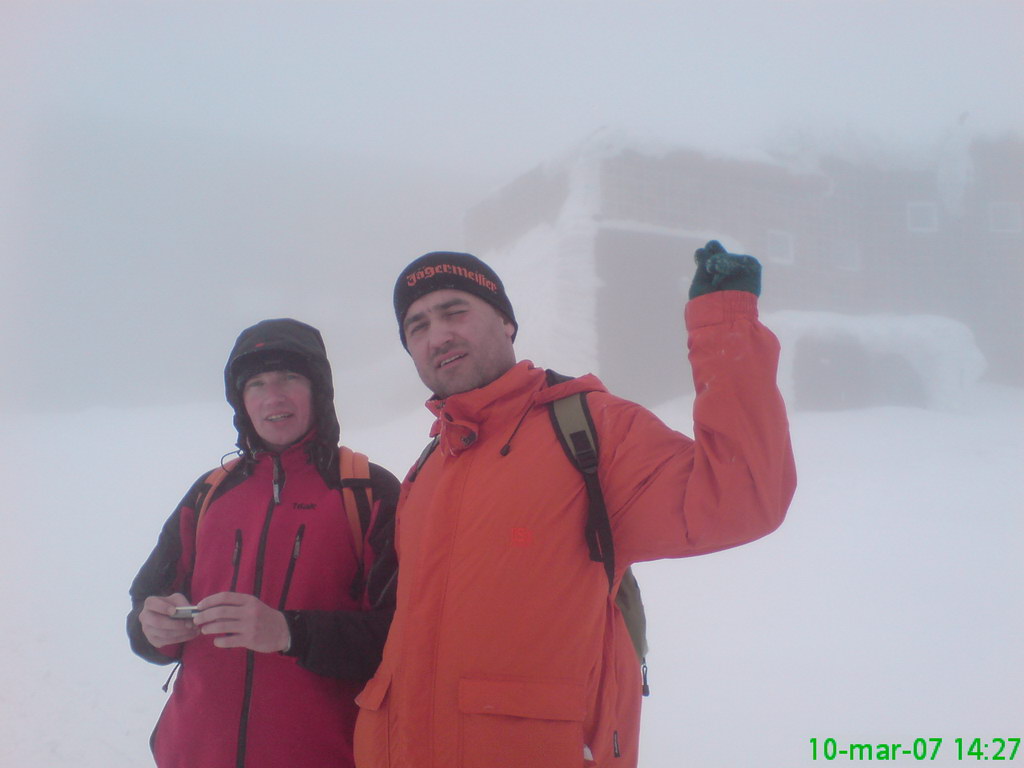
(354, 472)
(570, 418)
(424, 455)
(575, 429)
(214, 479)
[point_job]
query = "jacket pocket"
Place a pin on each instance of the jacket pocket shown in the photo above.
(521, 723)
(372, 741)
(372, 695)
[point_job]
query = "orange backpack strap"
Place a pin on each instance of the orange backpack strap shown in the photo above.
(215, 478)
(354, 470)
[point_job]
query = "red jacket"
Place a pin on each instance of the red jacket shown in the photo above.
(506, 648)
(234, 707)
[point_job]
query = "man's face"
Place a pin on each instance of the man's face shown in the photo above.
(457, 341)
(280, 407)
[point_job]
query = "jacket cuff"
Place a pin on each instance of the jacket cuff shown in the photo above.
(299, 633)
(719, 307)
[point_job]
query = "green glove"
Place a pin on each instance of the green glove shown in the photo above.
(718, 270)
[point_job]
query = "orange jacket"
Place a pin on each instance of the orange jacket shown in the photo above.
(506, 646)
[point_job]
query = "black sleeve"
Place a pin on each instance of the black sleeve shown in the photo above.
(349, 644)
(344, 644)
(381, 581)
(156, 577)
(159, 575)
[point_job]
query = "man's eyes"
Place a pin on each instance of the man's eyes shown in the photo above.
(420, 326)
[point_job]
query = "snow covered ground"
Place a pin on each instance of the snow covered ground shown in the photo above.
(886, 609)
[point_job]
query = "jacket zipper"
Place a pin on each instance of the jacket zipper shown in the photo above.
(291, 566)
(250, 656)
(236, 560)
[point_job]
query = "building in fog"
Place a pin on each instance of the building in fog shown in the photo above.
(836, 235)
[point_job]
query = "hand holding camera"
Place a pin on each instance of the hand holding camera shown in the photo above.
(164, 622)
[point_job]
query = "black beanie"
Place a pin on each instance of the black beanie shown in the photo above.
(255, 363)
(458, 271)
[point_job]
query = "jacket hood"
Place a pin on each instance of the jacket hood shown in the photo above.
(293, 345)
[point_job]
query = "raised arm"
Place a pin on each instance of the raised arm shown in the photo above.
(673, 496)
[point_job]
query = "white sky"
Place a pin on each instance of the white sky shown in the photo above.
(505, 84)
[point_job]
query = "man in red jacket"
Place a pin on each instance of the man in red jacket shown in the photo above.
(507, 647)
(291, 619)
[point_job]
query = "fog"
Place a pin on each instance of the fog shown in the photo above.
(171, 172)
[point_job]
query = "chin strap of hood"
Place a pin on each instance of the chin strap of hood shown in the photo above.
(284, 344)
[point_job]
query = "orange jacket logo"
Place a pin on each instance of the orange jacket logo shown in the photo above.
(521, 537)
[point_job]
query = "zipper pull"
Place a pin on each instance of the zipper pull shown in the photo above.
(643, 671)
(615, 744)
(167, 685)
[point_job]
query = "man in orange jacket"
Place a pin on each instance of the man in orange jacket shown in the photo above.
(507, 648)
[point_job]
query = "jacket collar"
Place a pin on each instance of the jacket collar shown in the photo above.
(461, 419)
(294, 455)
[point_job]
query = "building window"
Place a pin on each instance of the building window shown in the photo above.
(922, 217)
(1005, 217)
(779, 247)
